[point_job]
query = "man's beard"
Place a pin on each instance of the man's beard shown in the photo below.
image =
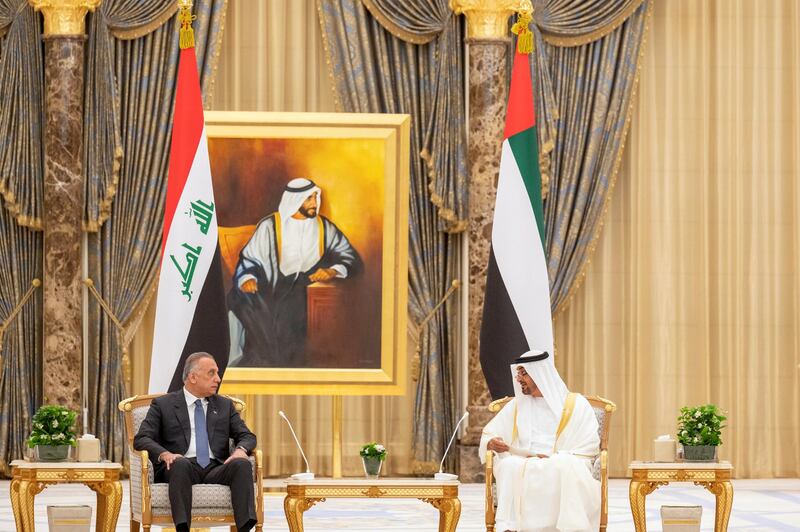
(308, 213)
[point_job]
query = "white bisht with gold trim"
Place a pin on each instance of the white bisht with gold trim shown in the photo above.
(545, 494)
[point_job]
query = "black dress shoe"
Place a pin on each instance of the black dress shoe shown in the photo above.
(248, 526)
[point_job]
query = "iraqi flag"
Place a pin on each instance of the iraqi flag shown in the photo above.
(516, 311)
(191, 314)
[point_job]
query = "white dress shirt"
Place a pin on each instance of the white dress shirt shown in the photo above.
(190, 399)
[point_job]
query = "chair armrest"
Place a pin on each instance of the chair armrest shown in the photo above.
(490, 513)
(141, 472)
(259, 480)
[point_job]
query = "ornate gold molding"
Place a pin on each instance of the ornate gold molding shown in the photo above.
(488, 19)
(64, 17)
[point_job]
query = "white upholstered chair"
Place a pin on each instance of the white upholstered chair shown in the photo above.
(603, 408)
(211, 503)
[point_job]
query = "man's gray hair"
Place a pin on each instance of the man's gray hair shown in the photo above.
(191, 363)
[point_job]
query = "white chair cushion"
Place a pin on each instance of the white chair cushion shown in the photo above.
(207, 499)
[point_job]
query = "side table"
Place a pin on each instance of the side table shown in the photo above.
(646, 477)
(30, 478)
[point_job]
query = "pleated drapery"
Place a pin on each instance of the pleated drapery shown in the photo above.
(21, 112)
(272, 59)
(125, 254)
(693, 294)
(21, 82)
(442, 129)
(20, 352)
(102, 144)
(585, 66)
(378, 72)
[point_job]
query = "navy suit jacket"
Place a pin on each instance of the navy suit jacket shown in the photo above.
(166, 427)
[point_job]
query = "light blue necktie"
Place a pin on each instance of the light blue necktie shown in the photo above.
(201, 435)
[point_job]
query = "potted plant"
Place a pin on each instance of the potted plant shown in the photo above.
(700, 431)
(52, 433)
(372, 455)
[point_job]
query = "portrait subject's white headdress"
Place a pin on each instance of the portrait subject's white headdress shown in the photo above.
(296, 192)
(544, 374)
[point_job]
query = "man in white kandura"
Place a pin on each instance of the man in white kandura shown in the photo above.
(289, 250)
(545, 439)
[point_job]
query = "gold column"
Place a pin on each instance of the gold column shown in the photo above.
(64, 18)
(64, 43)
(489, 45)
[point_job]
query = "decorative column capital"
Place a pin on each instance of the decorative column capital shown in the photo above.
(488, 19)
(64, 17)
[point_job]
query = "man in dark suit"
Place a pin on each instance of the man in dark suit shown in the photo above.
(187, 432)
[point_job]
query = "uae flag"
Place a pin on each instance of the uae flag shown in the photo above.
(516, 312)
(190, 308)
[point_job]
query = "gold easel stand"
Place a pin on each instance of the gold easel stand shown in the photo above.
(336, 419)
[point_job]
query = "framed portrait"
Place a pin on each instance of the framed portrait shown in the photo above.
(313, 232)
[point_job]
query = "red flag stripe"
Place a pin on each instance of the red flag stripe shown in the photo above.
(519, 114)
(186, 133)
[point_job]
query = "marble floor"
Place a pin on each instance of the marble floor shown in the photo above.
(758, 505)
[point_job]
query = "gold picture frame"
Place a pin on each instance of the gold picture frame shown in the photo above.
(391, 132)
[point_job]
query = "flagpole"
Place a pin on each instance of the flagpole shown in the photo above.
(85, 343)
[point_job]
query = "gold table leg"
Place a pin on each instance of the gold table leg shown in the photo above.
(637, 492)
(16, 503)
(26, 492)
(449, 512)
(109, 500)
(294, 507)
(723, 491)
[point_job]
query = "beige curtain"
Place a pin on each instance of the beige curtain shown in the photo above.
(693, 293)
(272, 60)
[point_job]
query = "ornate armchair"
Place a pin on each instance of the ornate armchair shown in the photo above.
(211, 503)
(603, 408)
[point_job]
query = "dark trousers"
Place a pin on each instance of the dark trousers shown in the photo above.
(185, 472)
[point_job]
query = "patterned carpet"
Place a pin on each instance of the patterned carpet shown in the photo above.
(759, 505)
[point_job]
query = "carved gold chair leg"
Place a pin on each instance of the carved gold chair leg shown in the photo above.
(490, 512)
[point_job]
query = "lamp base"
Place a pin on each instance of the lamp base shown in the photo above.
(445, 476)
(302, 476)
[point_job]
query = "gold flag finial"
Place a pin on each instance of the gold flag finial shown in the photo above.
(186, 18)
(522, 31)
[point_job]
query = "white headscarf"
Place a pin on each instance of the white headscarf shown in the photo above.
(544, 374)
(296, 192)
